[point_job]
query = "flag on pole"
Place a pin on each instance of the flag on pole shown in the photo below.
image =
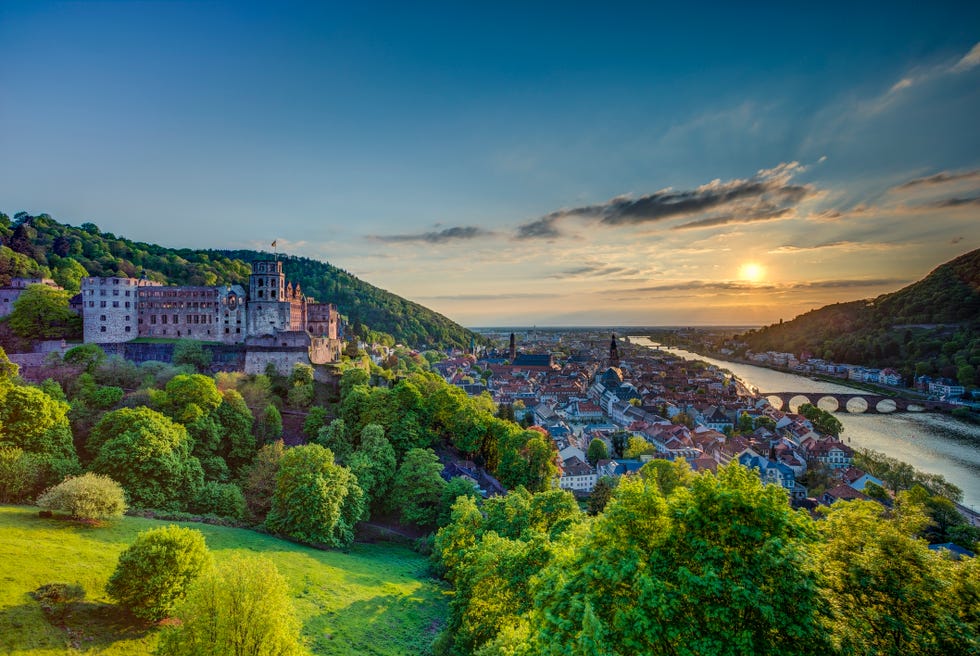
(274, 243)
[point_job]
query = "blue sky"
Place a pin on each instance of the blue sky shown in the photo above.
(503, 163)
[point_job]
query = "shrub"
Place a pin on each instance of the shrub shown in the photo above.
(241, 607)
(154, 573)
(56, 598)
(20, 474)
(88, 496)
(221, 499)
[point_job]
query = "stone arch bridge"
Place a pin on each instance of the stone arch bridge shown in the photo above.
(856, 403)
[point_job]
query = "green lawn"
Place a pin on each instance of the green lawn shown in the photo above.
(377, 599)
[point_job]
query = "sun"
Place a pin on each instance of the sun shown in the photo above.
(752, 272)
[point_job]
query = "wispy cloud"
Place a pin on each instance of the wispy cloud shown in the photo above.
(456, 233)
(596, 270)
(490, 297)
(941, 178)
(767, 195)
(968, 61)
(921, 76)
(736, 286)
(842, 245)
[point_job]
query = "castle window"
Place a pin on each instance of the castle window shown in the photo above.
(153, 319)
(163, 320)
(91, 304)
(127, 304)
(115, 304)
(115, 281)
(261, 282)
(115, 292)
(101, 292)
(127, 329)
(261, 294)
(127, 292)
(101, 303)
(102, 329)
(127, 317)
(102, 318)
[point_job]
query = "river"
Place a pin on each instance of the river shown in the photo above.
(933, 443)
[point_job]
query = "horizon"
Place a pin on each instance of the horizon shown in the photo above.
(623, 166)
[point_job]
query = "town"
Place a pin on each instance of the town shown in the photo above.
(610, 407)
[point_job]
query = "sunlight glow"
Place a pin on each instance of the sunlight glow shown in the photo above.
(752, 272)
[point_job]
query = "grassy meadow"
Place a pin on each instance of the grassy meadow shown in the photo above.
(377, 599)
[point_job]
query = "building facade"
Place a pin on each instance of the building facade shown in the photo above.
(274, 316)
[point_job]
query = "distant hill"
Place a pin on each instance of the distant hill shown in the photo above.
(39, 245)
(931, 326)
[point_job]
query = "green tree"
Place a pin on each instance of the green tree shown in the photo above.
(823, 421)
(235, 420)
(240, 607)
(35, 422)
(668, 475)
(88, 496)
(456, 487)
(191, 352)
(334, 437)
(42, 312)
(637, 446)
(887, 592)
(418, 487)
(269, 428)
(315, 500)
(601, 494)
(69, 273)
(149, 455)
(373, 463)
(260, 482)
(597, 451)
(221, 499)
(154, 573)
(190, 397)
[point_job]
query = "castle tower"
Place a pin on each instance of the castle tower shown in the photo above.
(613, 352)
(513, 347)
(268, 309)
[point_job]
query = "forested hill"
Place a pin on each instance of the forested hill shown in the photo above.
(931, 326)
(39, 245)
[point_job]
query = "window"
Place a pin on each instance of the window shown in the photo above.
(102, 329)
(127, 329)
(115, 304)
(91, 304)
(102, 317)
(127, 292)
(127, 304)
(127, 317)
(101, 292)
(115, 281)
(115, 292)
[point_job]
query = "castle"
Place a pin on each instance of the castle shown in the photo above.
(274, 322)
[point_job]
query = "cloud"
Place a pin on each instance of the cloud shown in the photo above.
(456, 233)
(490, 297)
(767, 195)
(844, 245)
(954, 202)
(543, 228)
(596, 270)
(969, 60)
(941, 178)
(744, 286)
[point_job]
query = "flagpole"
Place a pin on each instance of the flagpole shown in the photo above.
(275, 248)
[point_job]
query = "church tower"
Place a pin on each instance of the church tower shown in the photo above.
(613, 352)
(513, 348)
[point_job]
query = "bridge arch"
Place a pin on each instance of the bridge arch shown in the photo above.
(857, 405)
(829, 402)
(794, 403)
(886, 406)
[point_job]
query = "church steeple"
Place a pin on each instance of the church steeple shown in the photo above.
(513, 347)
(613, 352)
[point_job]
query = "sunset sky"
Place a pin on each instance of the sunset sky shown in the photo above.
(515, 163)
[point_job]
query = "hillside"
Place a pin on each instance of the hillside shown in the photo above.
(931, 327)
(39, 245)
(376, 599)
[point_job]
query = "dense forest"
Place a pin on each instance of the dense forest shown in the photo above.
(930, 327)
(39, 245)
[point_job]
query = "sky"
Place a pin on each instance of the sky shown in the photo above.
(515, 163)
